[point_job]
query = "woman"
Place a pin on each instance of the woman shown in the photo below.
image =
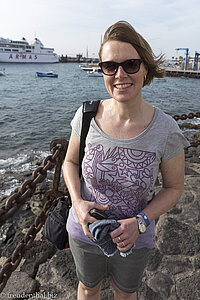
(127, 143)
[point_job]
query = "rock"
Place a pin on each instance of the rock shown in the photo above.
(19, 284)
(172, 234)
(145, 292)
(154, 260)
(196, 262)
(7, 230)
(197, 136)
(188, 286)
(191, 169)
(39, 252)
(161, 284)
(189, 125)
(59, 272)
(9, 247)
(175, 265)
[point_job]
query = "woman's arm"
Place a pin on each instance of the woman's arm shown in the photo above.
(71, 167)
(72, 180)
(172, 172)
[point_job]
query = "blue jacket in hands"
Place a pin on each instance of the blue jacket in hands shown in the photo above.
(100, 231)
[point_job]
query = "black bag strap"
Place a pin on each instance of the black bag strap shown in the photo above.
(89, 111)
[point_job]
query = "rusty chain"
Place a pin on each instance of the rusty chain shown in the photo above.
(13, 203)
(27, 189)
(189, 116)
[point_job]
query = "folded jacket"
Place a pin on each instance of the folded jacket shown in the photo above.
(100, 231)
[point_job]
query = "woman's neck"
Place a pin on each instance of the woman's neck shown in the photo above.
(129, 111)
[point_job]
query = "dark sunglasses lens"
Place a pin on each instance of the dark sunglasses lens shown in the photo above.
(131, 66)
(109, 67)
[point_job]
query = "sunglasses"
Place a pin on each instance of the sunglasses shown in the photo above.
(130, 66)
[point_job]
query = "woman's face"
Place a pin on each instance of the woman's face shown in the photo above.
(122, 86)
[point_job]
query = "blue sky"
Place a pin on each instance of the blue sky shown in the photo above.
(72, 26)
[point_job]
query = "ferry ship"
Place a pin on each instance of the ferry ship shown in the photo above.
(22, 52)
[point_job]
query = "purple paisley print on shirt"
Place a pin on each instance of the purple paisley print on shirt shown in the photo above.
(120, 177)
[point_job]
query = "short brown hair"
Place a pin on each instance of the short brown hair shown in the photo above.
(122, 31)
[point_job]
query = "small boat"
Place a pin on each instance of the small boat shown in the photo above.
(2, 72)
(48, 74)
(88, 67)
(96, 72)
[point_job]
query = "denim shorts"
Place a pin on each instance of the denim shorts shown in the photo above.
(92, 266)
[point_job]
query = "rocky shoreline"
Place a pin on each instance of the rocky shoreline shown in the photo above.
(172, 273)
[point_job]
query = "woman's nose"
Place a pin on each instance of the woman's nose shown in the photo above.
(120, 72)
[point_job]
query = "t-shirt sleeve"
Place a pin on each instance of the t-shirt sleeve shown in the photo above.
(175, 141)
(76, 122)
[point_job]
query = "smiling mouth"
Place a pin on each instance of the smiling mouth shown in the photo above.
(122, 86)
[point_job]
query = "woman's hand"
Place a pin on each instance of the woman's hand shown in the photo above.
(82, 209)
(126, 234)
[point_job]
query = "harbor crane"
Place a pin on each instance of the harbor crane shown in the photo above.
(196, 59)
(186, 57)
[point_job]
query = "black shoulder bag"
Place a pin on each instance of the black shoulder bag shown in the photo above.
(55, 225)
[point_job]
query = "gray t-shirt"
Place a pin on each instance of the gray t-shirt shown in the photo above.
(122, 173)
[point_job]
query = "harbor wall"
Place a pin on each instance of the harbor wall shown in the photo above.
(172, 72)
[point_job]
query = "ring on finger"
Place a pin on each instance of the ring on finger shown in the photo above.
(123, 244)
(119, 239)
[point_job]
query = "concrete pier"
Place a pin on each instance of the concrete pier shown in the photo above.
(172, 72)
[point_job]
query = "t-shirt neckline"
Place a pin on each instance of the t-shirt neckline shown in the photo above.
(94, 124)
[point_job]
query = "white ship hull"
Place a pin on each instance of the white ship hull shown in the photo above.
(22, 52)
(28, 58)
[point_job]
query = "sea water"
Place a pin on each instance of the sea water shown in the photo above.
(34, 111)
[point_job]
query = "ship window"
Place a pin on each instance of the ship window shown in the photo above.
(28, 50)
(1, 49)
(7, 49)
(15, 50)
